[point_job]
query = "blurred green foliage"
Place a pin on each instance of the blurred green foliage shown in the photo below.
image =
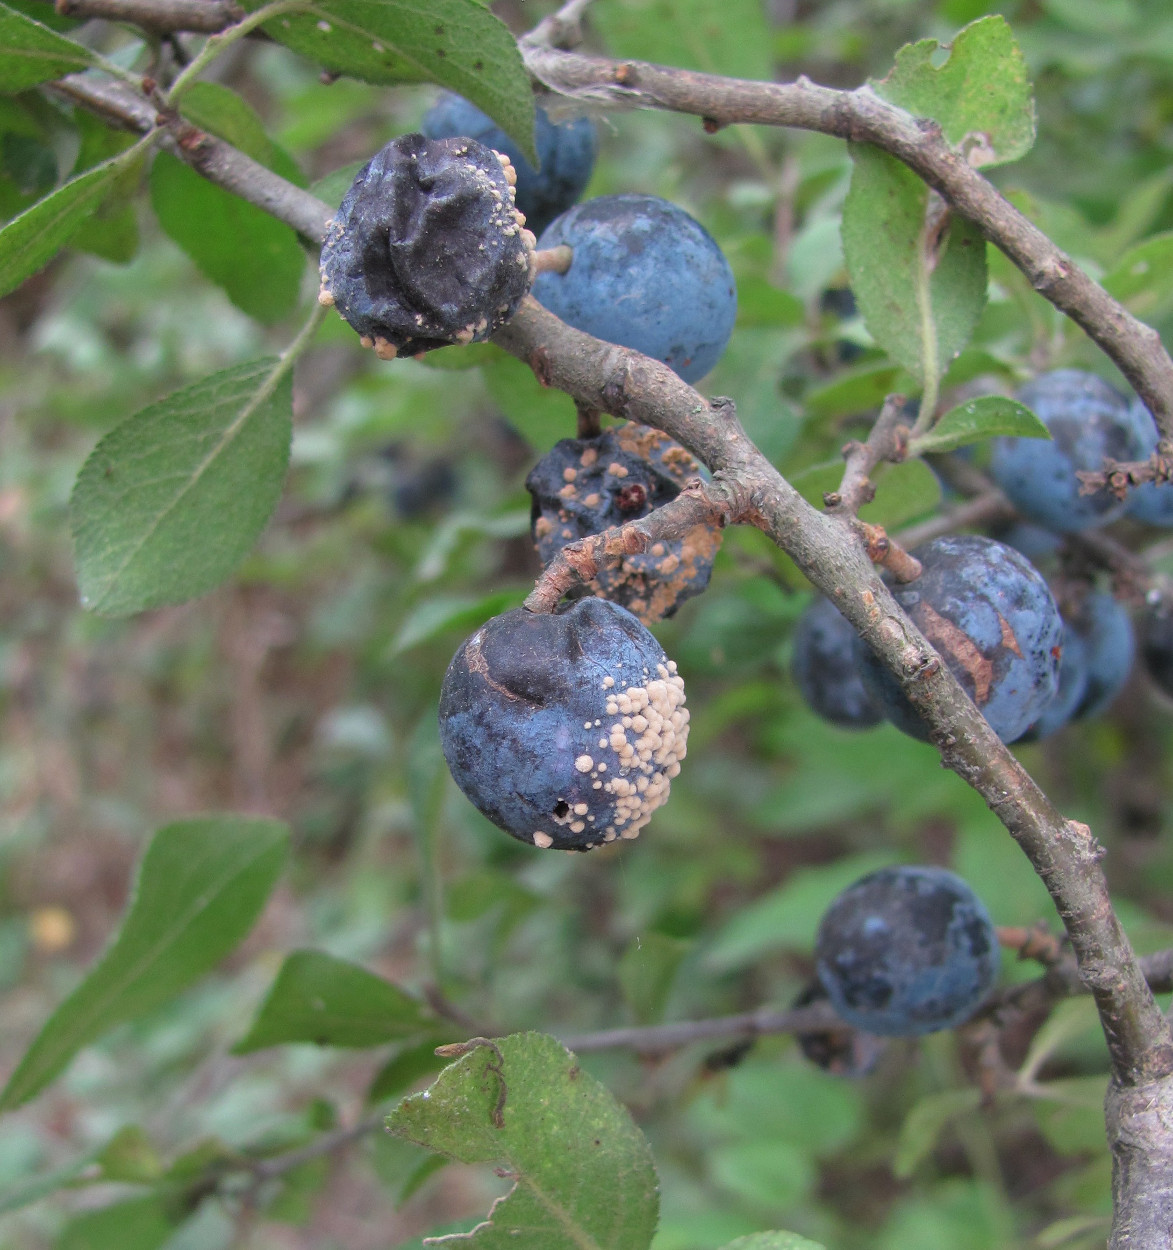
(305, 689)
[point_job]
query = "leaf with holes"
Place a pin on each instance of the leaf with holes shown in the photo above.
(171, 500)
(332, 1002)
(456, 43)
(201, 886)
(583, 1171)
(918, 272)
(31, 53)
(978, 419)
(980, 94)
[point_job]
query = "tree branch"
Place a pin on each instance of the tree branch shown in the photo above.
(205, 17)
(861, 116)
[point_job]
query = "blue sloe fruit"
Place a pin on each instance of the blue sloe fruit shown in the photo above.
(1073, 681)
(566, 153)
(1151, 503)
(907, 950)
(990, 614)
(564, 729)
(644, 275)
(1106, 629)
(427, 248)
(1156, 644)
(1089, 421)
(583, 486)
(825, 668)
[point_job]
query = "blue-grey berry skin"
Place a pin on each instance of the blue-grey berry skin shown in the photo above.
(1073, 684)
(825, 668)
(906, 951)
(564, 729)
(1089, 421)
(1151, 503)
(1106, 628)
(566, 154)
(644, 275)
(583, 486)
(990, 614)
(426, 248)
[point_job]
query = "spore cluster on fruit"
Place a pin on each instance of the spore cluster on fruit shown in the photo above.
(565, 729)
(583, 486)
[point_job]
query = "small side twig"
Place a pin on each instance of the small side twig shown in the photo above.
(1121, 476)
(699, 503)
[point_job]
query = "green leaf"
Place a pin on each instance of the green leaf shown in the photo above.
(222, 112)
(406, 1066)
(134, 1224)
(773, 1241)
(980, 94)
(256, 259)
(732, 37)
(433, 617)
(904, 492)
(129, 1156)
(647, 972)
(331, 1002)
(201, 886)
(1143, 277)
(31, 53)
(456, 43)
(978, 419)
(111, 232)
(919, 277)
(540, 414)
(854, 391)
(584, 1173)
(171, 500)
(30, 241)
(925, 1123)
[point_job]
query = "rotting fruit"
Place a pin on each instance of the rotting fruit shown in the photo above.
(644, 275)
(1089, 422)
(826, 670)
(907, 950)
(566, 154)
(427, 247)
(991, 616)
(564, 729)
(583, 486)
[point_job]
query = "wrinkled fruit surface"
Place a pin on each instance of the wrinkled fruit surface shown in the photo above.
(583, 486)
(991, 616)
(645, 275)
(427, 248)
(1089, 421)
(566, 152)
(906, 951)
(825, 669)
(564, 729)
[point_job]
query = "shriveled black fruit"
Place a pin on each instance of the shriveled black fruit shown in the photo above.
(427, 248)
(564, 729)
(583, 486)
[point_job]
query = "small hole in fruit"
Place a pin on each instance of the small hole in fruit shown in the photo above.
(561, 808)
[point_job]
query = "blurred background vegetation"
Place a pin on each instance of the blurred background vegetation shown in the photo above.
(307, 687)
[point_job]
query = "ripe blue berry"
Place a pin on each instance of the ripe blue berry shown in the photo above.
(564, 729)
(644, 275)
(566, 153)
(583, 486)
(1106, 629)
(825, 668)
(1073, 679)
(991, 616)
(906, 950)
(1089, 421)
(426, 248)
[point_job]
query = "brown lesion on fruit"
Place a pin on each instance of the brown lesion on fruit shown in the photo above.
(1009, 638)
(955, 642)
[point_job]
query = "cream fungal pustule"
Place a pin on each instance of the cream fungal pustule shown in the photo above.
(564, 729)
